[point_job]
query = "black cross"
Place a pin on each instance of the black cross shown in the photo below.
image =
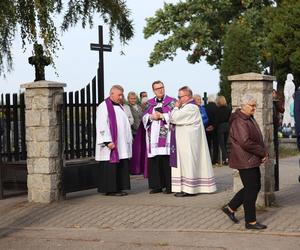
(205, 98)
(101, 48)
(39, 61)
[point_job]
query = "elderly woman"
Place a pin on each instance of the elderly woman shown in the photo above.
(198, 101)
(247, 153)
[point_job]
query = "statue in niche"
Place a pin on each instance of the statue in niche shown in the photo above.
(39, 61)
(289, 90)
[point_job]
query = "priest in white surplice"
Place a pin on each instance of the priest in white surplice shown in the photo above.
(192, 172)
(113, 144)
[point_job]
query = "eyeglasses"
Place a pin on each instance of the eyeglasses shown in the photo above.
(252, 105)
(179, 97)
(158, 88)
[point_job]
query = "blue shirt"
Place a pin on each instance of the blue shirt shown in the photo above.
(203, 115)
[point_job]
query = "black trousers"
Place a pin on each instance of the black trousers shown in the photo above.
(113, 177)
(223, 131)
(159, 172)
(213, 145)
(248, 194)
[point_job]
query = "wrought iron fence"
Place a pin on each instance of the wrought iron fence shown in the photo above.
(12, 126)
(80, 122)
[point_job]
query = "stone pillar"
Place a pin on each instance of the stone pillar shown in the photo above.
(43, 101)
(261, 87)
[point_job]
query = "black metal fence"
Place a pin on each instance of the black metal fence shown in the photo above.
(80, 122)
(12, 128)
(12, 142)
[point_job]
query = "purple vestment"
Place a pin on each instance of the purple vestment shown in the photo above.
(114, 154)
(138, 163)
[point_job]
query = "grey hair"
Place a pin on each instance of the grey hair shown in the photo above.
(131, 93)
(119, 87)
(187, 90)
(247, 98)
(211, 98)
(197, 95)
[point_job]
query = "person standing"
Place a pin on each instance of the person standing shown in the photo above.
(143, 99)
(222, 125)
(211, 130)
(136, 112)
(246, 155)
(192, 171)
(155, 123)
(127, 110)
(113, 144)
(198, 101)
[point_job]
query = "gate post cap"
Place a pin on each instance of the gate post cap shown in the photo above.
(251, 77)
(43, 84)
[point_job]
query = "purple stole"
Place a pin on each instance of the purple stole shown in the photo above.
(173, 151)
(114, 154)
(139, 160)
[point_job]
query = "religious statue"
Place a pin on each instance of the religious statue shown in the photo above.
(39, 61)
(289, 90)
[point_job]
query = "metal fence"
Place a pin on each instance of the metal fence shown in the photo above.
(12, 126)
(80, 122)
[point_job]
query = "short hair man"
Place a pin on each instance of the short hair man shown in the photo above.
(113, 144)
(192, 171)
(157, 141)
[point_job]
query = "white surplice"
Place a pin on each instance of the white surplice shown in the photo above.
(124, 141)
(194, 173)
(154, 134)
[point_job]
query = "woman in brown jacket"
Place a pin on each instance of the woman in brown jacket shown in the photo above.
(247, 153)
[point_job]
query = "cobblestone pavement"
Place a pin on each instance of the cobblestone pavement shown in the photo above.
(140, 211)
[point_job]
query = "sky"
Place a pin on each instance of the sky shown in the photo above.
(76, 64)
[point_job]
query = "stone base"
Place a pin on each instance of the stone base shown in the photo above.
(44, 196)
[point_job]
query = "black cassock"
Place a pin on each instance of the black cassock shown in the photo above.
(113, 177)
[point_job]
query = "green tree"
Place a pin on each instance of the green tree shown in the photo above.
(283, 40)
(241, 54)
(197, 27)
(35, 21)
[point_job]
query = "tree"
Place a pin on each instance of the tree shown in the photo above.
(197, 27)
(35, 20)
(283, 40)
(241, 54)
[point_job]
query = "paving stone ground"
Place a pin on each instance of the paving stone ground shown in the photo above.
(89, 213)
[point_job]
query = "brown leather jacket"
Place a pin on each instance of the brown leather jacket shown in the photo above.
(247, 146)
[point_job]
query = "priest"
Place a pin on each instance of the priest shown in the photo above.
(151, 149)
(113, 144)
(192, 172)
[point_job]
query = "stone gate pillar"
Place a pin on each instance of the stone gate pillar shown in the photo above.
(43, 100)
(261, 87)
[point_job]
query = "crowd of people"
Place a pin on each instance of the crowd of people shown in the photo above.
(175, 141)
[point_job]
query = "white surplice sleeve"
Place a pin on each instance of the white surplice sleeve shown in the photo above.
(102, 124)
(187, 115)
(146, 120)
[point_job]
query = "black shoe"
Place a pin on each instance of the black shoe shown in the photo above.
(120, 193)
(256, 226)
(155, 191)
(167, 191)
(182, 194)
(230, 214)
(225, 163)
